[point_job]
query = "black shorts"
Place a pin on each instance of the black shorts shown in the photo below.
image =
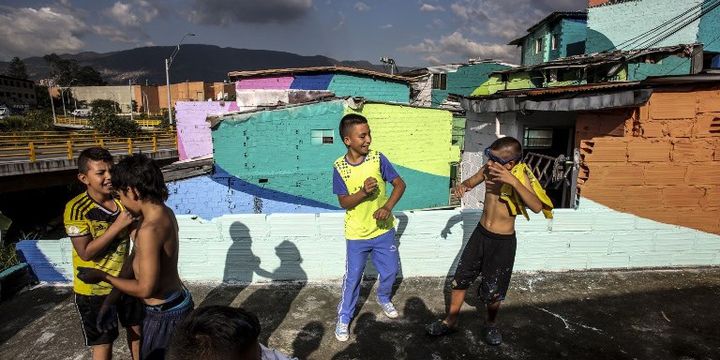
(130, 312)
(491, 255)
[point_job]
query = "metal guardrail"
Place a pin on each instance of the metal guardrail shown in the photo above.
(31, 147)
(85, 122)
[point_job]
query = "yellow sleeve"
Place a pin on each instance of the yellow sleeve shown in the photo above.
(75, 223)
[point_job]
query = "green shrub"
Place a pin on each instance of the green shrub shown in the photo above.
(104, 118)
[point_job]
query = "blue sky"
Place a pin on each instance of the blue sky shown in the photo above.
(412, 32)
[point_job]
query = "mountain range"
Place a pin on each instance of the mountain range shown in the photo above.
(194, 62)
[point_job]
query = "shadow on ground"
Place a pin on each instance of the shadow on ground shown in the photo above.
(588, 315)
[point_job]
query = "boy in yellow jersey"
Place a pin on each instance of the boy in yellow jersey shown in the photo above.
(98, 227)
(359, 179)
(490, 251)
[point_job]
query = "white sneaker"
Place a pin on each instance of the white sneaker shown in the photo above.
(389, 310)
(342, 333)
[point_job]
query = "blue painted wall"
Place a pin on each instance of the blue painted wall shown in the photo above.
(311, 82)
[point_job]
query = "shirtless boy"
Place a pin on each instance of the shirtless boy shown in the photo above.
(510, 187)
(154, 277)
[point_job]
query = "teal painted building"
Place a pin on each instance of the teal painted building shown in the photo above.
(559, 35)
(341, 81)
(641, 24)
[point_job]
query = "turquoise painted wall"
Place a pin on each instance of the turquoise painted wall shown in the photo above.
(571, 36)
(670, 65)
(464, 81)
(273, 150)
(572, 39)
(276, 145)
(374, 89)
(710, 30)
(610, 25)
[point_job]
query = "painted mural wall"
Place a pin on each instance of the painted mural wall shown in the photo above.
(665, 162)
(464, 81)
(275, 161)
(260, 248)
(341, 84)
(611, 26)
(193, 131)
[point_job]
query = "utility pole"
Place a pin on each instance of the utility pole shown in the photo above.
(131, 99)
(168, 63)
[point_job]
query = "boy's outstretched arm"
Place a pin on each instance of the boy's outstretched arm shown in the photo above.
(470, 182)
(527, 194)
(398, 189)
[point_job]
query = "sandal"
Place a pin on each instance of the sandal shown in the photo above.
(438, 328)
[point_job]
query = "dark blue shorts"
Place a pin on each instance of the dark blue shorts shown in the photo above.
(160, 322)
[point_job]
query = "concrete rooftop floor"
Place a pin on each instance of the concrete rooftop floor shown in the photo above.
(661, 314)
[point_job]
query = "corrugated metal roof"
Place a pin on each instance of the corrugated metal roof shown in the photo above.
(569, 89)
(585, 60)
(233, 75)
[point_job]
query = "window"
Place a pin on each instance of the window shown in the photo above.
(554, 41)
(537, 138)
(538, 45)
(323, 136)
(439, 81)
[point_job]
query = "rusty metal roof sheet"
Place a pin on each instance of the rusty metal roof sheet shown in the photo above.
(596, 59)
(233, 75)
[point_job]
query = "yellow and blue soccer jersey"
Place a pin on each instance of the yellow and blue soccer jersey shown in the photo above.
(83, 216)
(349, 178)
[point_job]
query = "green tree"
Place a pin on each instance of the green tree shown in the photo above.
(104, 118)
(65, 71)
(32, 120)
(17, 69)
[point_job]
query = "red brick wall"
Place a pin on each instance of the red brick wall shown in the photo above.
(660, 161)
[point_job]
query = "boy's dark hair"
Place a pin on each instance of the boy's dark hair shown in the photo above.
(348, 121)
(142, 173)
(95, 153)
(508, 142)
(214, 332)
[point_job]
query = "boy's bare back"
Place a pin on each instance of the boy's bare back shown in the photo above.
(156, 244)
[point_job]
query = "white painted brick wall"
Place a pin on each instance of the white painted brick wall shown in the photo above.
(312, 245)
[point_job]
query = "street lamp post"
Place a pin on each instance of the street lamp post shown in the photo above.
(168, 63)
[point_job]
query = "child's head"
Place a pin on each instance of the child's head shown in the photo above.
(355, 133)
(94, 166)
(138, 178)
(216, 332)
(505, 151)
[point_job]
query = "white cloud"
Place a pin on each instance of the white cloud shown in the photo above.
(457, 46)
(386, 26)
(430, 8)
(341, 21)
(507, 19)
(361, 6)
(132, 14)
(38, 31)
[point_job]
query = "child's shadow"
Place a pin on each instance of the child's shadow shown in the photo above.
(272, 302)
(240, 265)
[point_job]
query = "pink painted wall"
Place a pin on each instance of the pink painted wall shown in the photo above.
(274, 83)
(193, 132)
